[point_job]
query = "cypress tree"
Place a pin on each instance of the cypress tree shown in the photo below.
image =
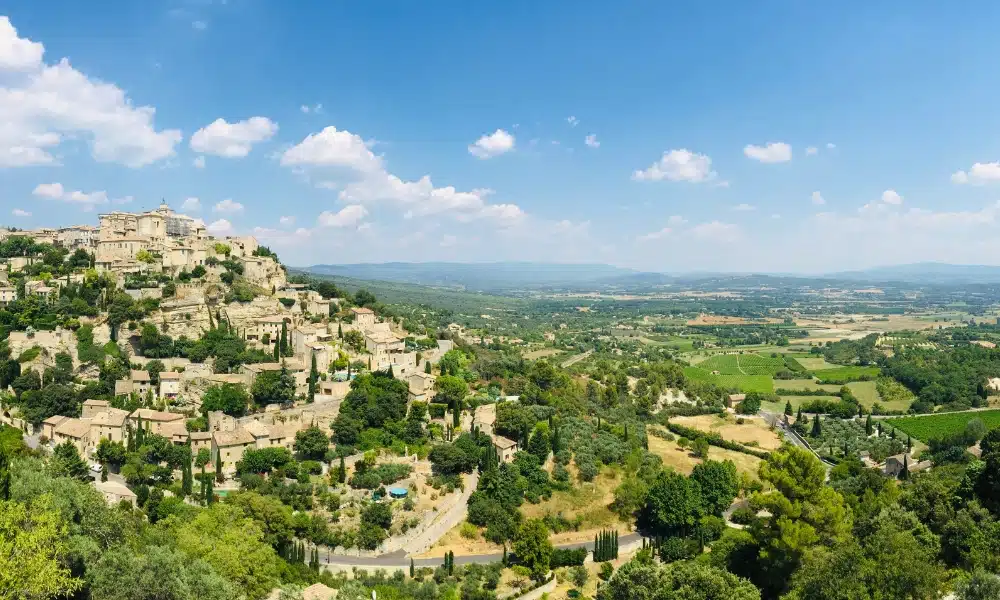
(456, 416)
(391, 374)
(909, 443)
(210, 493)
(340, 331)
(412, 570)
(342, 471)
(104, 473)
(788, 408)
(218, 471)
(427, 367)
(369, 363)
(186, 478)
(798, 416)
(4, 475)
(313, 377)
(905, 473)
(283, 343)
(204, 488)
(277, 349)
(817, 429)
(868, 425)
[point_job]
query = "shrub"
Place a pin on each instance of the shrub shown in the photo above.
(469, 531)
(567, 557)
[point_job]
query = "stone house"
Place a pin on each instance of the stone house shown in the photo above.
(506, 449)
(108, 425)
(421, 386)
(228, 447)
(364, 318)
(74, 431)
(7, 295)
(199, 440)
(115, 492)
(170, 384)
(138, 383)
(484, 418)
(49, 425)
(155, 421)
(92, 407)
(894, 465)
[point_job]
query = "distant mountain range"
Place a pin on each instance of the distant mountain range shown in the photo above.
(509, 276)
(483, 277)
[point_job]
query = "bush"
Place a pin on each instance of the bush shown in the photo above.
(567, 557)
(676, 548)
(469, 531)
(743, 516)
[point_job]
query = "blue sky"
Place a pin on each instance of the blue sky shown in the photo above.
(775, 136)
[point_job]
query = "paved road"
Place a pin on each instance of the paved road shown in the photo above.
(575, 359)
(399, 559)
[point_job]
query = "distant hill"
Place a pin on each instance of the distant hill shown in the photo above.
(484, 277)
(927, 273)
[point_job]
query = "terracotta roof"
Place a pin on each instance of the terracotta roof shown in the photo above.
(113, 417)
(170, 375)
(55, 420)
(201, 436)
(94, 402)
(155, 415)
(240, 437)
(362, 311)
(139, 375)
(74, 428)
(123, 387)
(503, 443)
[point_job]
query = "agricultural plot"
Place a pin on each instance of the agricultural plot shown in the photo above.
(838, 436)
(864, 391)
(744, 383)
(927, 427)
(753, 432)
(842, 373)
(814, 363)
(743, 364)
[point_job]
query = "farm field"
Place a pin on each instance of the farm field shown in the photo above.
(754, 431)
(838, 435)
(743, 364)
(684, 462)
(813, 363)
(841, 373)
(745, 383)
(779, 407)
(926, 427)
(864, 391)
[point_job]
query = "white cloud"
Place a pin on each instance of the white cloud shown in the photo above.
(17, 212)
(345, 217)
(315, 109)
(830, 146)
(891, 197)
(367, 180)
(228, 206)
(656, 235)
(332, 148)
(233, 140)
(591, 141)
(222, 227)
(744, 207)
(87, 200)
(775, 216)
(42, 105)
(191, 204)
(199, 25)
(18, 54)
(678, 165)
(812, 150)
(716, 231)
(199, 162)
(497, 143)
(773, 152)
(979, 174)
(573, 121)
(817, 199)
(287, 221)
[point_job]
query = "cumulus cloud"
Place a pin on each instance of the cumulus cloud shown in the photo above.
(17, 212)
(345, 217)
(817, 199)
(678, 165)
(365, 180)
(191, 204)
(86, 200)
(44, 104)
(221, 227)
(497, 143)
(233, 140)
(773, 152)
(891, 197)
(228, 206)
(978, 174)
(591, 141)
(287, 221)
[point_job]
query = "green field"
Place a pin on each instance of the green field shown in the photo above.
(779, 407)
(744, 383)
(927, 427)
(842, 373)
(814, 362)
(743, 364)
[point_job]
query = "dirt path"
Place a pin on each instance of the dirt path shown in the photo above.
(575, 359)
(738, 367)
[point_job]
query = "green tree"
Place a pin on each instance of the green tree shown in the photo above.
(157, 572)
(718, 483)
(673, 505)
(273, 387)
(66, 462)
(539, 443)
(34, 551)
(630, 497)
(311, 443)
(980, 585)
(533, 548)
(688, 580)
(788, 408)
(230, 398)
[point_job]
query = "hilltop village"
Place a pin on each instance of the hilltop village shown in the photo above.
(164, 281)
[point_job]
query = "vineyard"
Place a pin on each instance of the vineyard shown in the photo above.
(744, 383)
(929, 427)
(743, 364)
(838, 436)
(841, 374)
